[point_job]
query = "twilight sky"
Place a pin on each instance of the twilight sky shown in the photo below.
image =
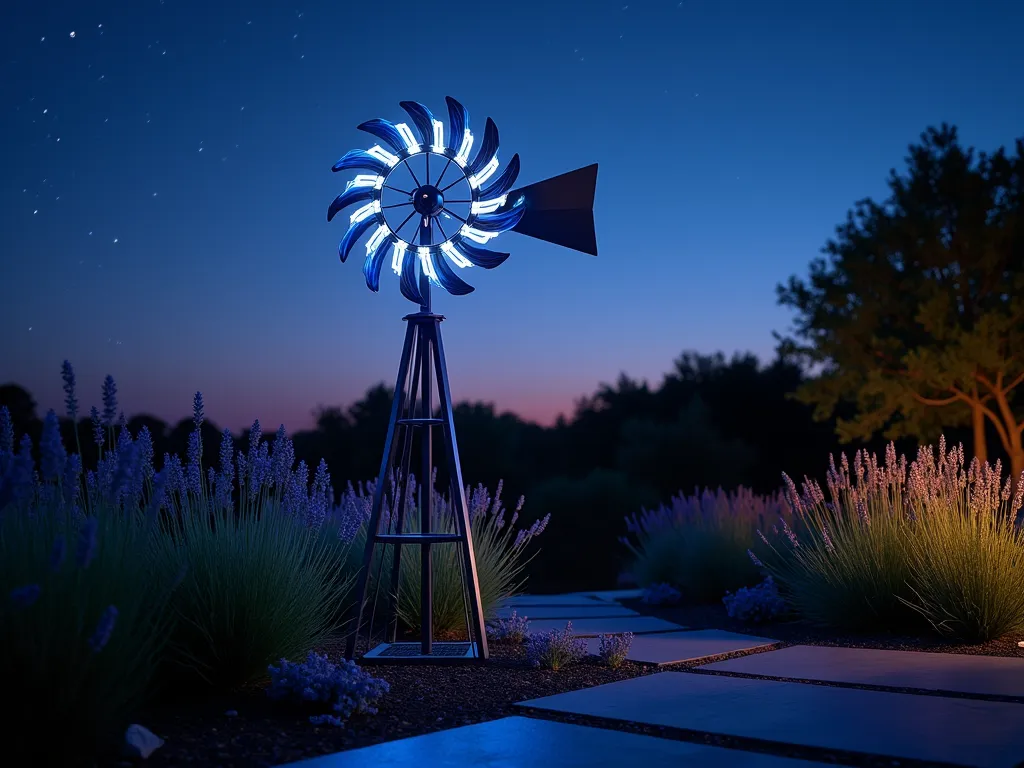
(166, 175)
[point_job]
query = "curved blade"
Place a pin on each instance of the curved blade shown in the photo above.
(503, 183)
(346, 198)
(374, 262)
(446, 276)
(356, 231)
(422, 118)
(408, 282)
(481, 257)
(359, 158)
(458, 120)
(385, 131)
(499, 222)
(488, 147)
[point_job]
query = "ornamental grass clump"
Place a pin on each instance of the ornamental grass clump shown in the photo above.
(264, 577)
(904, 547)
(83, 592)
(555, 648)
(614, 649)
(699, 544)
(317, 682)
(513, 629)
(756, 605)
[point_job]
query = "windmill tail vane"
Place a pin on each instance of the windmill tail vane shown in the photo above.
(428, 206)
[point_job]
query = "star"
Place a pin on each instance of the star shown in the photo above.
(72, 34)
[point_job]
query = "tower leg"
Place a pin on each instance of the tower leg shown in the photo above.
(373, 526)
(459, 493)
(426, 500)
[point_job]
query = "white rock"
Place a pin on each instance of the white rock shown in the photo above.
(141, 742)
(1020, 644)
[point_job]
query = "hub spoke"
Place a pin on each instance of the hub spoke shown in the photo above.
(408, 167)
(450, 212)
(396, 205)
(445, 189)
(398, 229)
(396, 189)
(443, 172)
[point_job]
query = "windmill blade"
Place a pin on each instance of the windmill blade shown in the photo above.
(446, 276)
(385, 131)
(373, 263)
(488, 148)
(481, 257)
(356, 231)
(408, 282)
(559, 210)
(458, 122)
(504, 182)
(361, 159)
(422, 119)
(502, 221)
(346, 198)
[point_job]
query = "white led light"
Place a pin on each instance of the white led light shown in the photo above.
(485, 174)
(378, 237)
(410, 141)
(428, 265)
(365, 212)
(383, 155)
(398, 257)
(477, 235)
(453, 253)
(367, 180)
(438, 145)
(463, 155)
(488, 206)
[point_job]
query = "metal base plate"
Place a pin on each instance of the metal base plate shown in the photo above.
(410, 653)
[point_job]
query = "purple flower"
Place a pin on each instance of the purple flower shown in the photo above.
(197, 410)
(283, 458)
(754, 558)
(51, 449)
(57, 553)
(175, 481)
(109, 401)
(226, 478)
(194, 475)
(515, 629)
(255, 435)
(87, 537)
(72, 478)
(615, 648)
(144, 443)
(25, 597)
(70, 400)
(97, 426)
(104, 629)
(318, 503)
(6, 431)
(159, 493)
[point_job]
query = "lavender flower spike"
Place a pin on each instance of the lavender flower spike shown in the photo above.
(109, 401)
(6, 431)
(97, 426)
(197, 410)
(104, 629)
(70, 400)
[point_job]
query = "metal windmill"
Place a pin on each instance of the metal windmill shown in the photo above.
(430, 179)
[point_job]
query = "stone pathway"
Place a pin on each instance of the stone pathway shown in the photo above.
(973, 715)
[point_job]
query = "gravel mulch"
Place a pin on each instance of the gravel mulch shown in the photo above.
(804, 633)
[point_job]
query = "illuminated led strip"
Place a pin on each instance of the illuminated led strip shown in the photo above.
(463, 155)
(428, 265)
(453, 253)
(365, 212)
(488, 206)
(383, 155)
(367, 180)
(485, 174)
(378, 237)
(410, 141)
(477, 235)
(438, 145)
(398, 257)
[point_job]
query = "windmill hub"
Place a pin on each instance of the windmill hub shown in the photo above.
(428, 200)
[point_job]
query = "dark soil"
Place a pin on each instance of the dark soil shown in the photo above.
(798, 632)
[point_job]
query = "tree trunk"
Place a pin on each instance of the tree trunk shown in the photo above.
(978, 423)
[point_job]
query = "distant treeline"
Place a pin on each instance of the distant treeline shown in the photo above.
(711, 422)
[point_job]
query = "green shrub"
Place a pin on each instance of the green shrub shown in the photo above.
(700, 544)
(898, 547)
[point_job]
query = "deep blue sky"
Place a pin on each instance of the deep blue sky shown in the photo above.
(166, 174)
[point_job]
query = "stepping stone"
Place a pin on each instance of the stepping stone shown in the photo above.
(614, 594)
(561, 600)
(991, 675)
(566, 612)
(986, 734)
(612, 626)
(675, 647)
(514, 741)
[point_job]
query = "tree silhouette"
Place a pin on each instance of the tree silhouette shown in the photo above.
(917, 315)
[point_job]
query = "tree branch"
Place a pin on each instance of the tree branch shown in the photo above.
(934, 402)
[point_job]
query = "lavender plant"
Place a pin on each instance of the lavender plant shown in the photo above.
(513, 630)
(555, 649)
(345, 688)
(699, 543)
(902, 546)
(755, 605)
(661, 594)
(614, 649)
